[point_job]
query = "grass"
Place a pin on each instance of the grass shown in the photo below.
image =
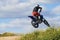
(49, 34)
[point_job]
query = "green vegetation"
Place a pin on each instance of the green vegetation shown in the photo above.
(49, 34)
(7, 34)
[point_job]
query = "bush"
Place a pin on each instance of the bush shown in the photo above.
(7, 34)
(49, 34)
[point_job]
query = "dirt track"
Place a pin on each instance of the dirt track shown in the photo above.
(10, 38)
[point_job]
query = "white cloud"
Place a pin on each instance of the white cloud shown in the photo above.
(40, 1)
(54, 21)
(24, 25)
(45, 1)
(13, 8)
(56, 10)
(15, 23)
(15, 4)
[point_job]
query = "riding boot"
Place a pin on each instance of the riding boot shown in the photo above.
(38, 17)
(41, 17)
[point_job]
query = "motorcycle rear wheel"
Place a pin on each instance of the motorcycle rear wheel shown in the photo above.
(34, 24)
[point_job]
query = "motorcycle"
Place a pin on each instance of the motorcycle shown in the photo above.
(35, 22)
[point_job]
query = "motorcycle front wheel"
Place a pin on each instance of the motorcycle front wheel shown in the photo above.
(46, 23)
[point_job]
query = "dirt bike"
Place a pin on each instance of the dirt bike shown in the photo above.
(35, 23)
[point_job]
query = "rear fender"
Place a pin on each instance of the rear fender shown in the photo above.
(32, 18)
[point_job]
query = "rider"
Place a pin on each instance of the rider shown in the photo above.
(35, 12)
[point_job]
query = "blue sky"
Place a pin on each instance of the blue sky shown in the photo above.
(14, 14)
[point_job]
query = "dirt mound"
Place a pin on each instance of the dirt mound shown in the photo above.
(10, 38)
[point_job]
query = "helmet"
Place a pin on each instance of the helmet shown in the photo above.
(37, 5)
